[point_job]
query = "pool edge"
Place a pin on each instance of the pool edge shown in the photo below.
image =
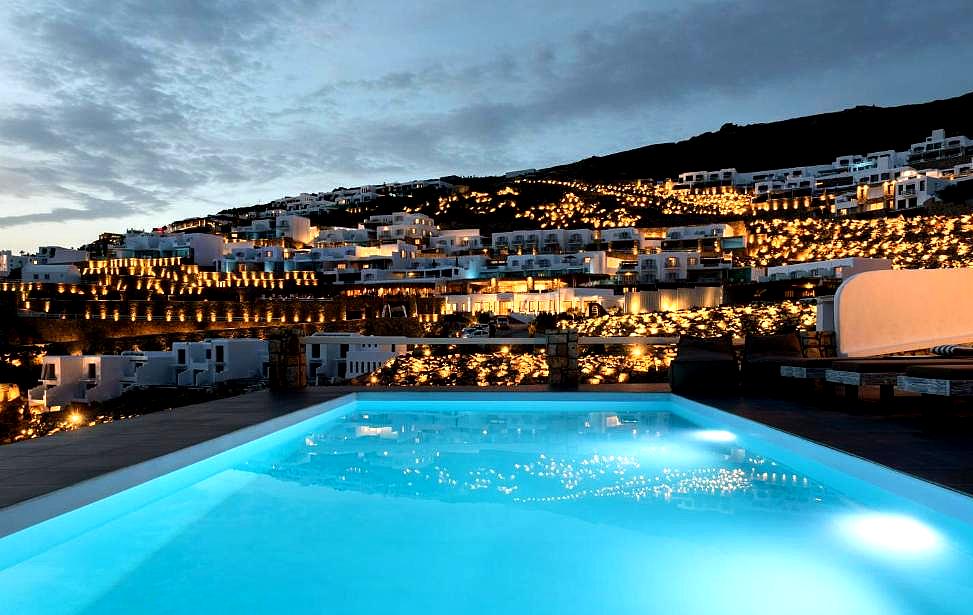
(41, 508)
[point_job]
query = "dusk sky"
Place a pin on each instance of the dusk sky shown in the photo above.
(133, 114)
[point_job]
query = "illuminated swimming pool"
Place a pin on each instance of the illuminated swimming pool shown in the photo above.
(506, 503)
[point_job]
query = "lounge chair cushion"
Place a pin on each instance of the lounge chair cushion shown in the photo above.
(942, 372)
(785, 345)
(889, 365)
(819, 362)
(691, 348)
(952, 350)
(807, 361)
(703, 375)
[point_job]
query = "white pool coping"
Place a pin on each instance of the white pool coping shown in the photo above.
(917, 491)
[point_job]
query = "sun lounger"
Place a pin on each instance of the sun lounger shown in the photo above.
(763, 356)
(883, 373)
(704, 364)
(809, 368)
(944, 380)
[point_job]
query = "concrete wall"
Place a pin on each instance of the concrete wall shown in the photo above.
(879, 312)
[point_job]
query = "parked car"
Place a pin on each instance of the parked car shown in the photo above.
(503, 322)
(471, 332)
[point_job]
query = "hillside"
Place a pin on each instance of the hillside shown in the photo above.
(815, 139)
(590, 193)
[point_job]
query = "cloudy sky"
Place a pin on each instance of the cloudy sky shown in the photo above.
(132, 114)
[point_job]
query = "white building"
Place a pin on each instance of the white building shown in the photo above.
(701, 231)
(594, 263)
(533, 303)
(295, 228)
(839, 268)
(308, 203)
(202, 249)
(937, 147)
(334, 357)
(710, 240)
(243, 256)
(354, 196)
(959, 172)
(153, 368)
(5, 258)
(62, 274)
(56, 255)
(622, 236)
(405, 188)
(67, 380)
(666, 266)
(708, 178)
(913, 189)
(403, 226)
(543, 240)
(519, 173)
(210, 362)
(261, 228)
(339, 235)
(457, 240)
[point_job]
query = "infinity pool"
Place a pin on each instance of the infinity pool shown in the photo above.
(507, 503)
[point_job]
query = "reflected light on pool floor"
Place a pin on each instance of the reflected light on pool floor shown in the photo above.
(714, 435)
(889, 533)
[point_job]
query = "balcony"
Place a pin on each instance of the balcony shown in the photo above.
(37, 394)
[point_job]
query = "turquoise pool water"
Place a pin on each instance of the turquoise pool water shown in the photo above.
(508, 504)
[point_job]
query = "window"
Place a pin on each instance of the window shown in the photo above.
(922, 185)
(92, 370)
(181, 356)
(315, 351)
(220, 354)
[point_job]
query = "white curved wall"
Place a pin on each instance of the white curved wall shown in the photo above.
(879, 312)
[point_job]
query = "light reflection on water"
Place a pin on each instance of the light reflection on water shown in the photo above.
(529, 458)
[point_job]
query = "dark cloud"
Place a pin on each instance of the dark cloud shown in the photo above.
(135, 105)
(650, 60)
(128, 92)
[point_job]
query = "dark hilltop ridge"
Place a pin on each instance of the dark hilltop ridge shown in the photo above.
(814, 139)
